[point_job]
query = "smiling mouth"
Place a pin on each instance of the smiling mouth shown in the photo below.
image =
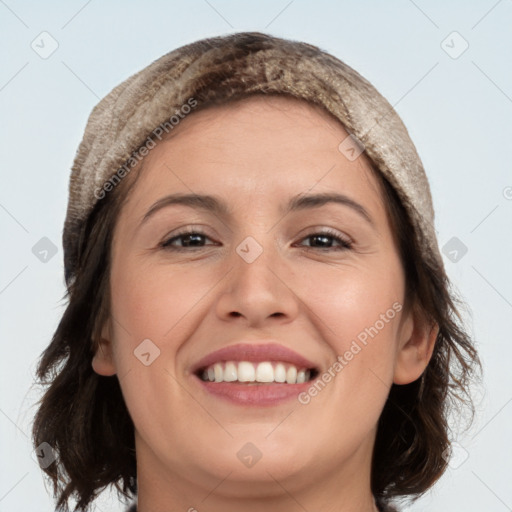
(256, 373)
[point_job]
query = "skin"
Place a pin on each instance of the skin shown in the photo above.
(306, 297)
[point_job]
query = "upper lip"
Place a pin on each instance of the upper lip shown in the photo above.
(254, 353)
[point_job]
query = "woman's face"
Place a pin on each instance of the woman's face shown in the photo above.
(270, 262)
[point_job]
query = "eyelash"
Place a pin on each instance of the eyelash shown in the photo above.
(345, 244)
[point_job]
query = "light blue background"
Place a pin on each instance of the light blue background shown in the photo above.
(458, 112)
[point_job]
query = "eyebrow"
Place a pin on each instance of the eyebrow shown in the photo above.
(218, 207)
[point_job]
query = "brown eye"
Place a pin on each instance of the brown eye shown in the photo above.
(189, 239)
(325, 238)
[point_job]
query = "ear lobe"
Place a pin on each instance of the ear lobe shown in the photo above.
(103, 360)
(416, 349)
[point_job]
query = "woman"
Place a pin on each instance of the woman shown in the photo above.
(259, 315)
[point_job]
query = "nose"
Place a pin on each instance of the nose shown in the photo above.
(259, 292)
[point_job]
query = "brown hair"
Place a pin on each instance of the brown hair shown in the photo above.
(82, 415)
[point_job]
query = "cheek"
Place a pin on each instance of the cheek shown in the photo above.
(154, 302)
(348, 301)
(358, 313)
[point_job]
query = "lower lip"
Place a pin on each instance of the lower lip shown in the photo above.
(255, 394)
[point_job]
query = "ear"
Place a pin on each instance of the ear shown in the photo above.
(103, 360)
(418, 338)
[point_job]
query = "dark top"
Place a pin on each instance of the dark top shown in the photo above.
(133, 508)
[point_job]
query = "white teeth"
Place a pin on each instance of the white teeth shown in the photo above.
(246, 372)
(265, 372)
(217, 372)
(280, 373)
(291, 375)
(230, 372)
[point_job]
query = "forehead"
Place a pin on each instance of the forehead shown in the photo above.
(289, 118)
(262, 147)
